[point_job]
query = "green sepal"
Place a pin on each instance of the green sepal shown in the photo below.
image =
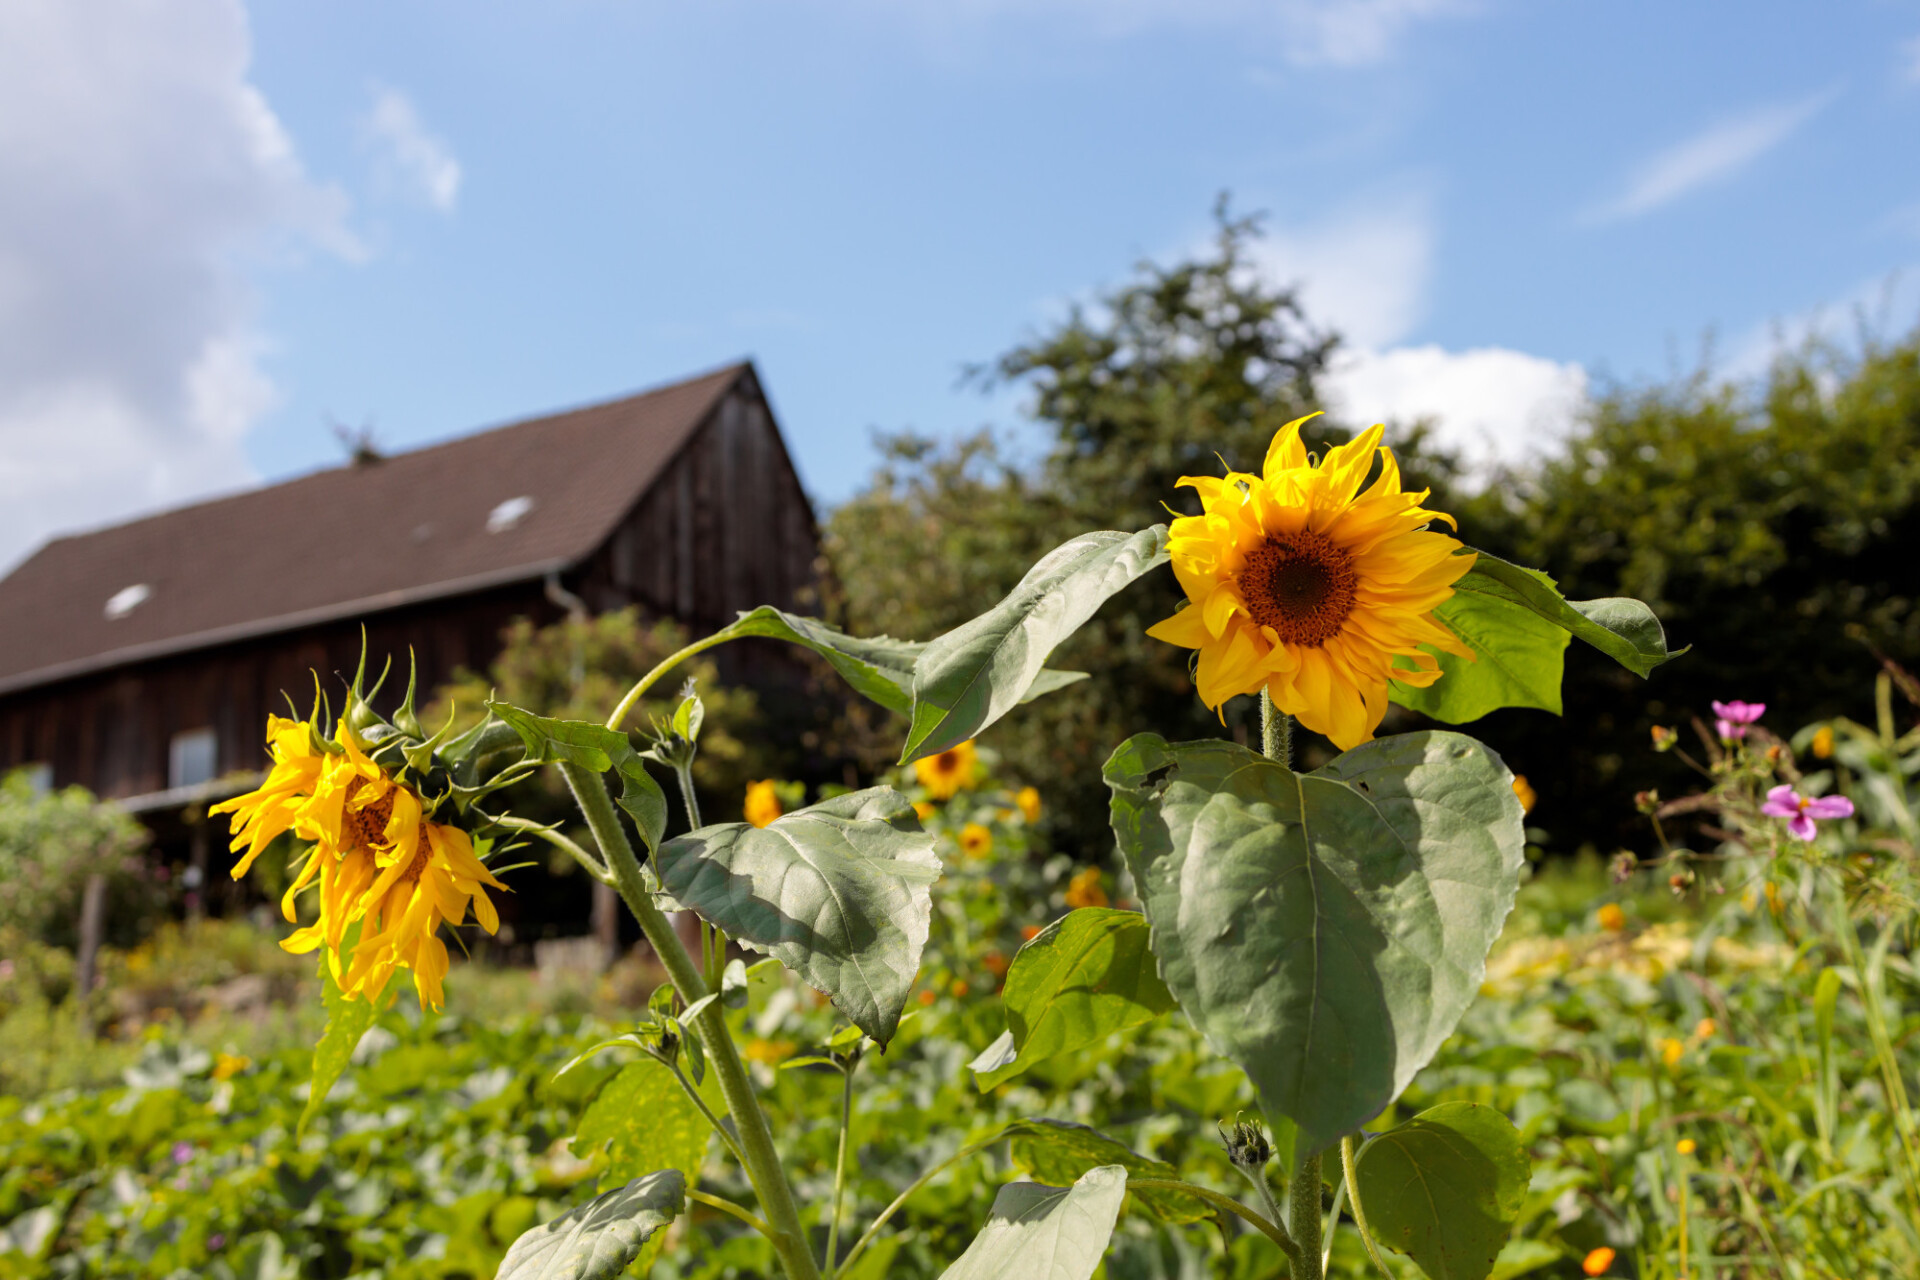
(595, 747)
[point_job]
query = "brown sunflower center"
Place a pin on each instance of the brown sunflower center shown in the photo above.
(363, 827)
(1302, 585)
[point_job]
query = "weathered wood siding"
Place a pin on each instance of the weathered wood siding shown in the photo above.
(726, 527)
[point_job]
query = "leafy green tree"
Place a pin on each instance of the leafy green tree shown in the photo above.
(50, 843)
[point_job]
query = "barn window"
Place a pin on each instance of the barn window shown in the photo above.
(127, 599)
(508, 514)
(38, 776)
(191, 757)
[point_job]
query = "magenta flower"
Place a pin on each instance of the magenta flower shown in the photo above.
(1734, 717)
(1800, 811)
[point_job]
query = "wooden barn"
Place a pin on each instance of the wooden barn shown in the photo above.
(141, 661)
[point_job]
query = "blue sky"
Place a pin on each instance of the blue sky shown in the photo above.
(228, 226)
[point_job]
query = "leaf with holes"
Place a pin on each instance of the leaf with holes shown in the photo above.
(1037, 1232)
(841, 892)
(1445, 1188)
(1076, 982)
(595, 747)
(976, 673)
(1325, 931)
(598, 1240)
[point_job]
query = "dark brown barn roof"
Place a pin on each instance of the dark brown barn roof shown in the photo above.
(351, 540)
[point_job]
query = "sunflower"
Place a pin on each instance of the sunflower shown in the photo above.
(975, 840)
(1029, 801)
(763, 803)
(1300, 582)
(950, 771)
(379, 862)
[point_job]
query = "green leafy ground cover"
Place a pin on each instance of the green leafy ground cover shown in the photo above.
(1728, 1018)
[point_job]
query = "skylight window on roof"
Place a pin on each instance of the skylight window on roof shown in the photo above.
(508, 514)
(126, 600)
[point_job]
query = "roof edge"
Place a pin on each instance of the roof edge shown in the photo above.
(284, 622)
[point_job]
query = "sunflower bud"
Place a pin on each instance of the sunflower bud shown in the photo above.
(1247, 1146)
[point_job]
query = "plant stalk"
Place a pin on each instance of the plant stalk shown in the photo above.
(761, 1159)
(1273, 1231)
(654, 676)
(1303, 1217)
(1348, 1167)
(840, 1168)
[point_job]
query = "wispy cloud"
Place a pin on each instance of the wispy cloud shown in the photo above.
(1711, 156)
(1910, 61)
(421, 159)
(1365, 272)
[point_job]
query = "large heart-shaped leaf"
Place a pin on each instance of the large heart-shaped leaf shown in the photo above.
(1518, 625)
(878, 667)
(1076, 982)
(1445, 1188)
(644, 1121)
(597, 1240)
(1325, 931)
(595, 747)
(976, 673)
(1060, 1151)
(840, 891)
(1036, 1232)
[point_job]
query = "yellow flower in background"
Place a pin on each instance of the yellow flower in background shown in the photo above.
(1686, 1146)
(1706, 1029)
(1597, 1261)
(228, 1065)
(923, 810)
(379, 862)
(1525, 791)
(1823, 742)
(1671, 1051)
(949, 772)
(763, 802)
(1085, 889)
(1611, 917)
(1029, 801)
(975, 840)
(1301, 583)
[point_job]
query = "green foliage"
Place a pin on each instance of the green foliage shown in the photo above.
(644, 1123)
(598, 1240)
(1445, 1188)
(50, 843)
(1038, 1232)
(840, 892)
(976, 673)
(347, 1021)
(1084, 977)
(1325, 931)
(1059, 1152)
(596, 747)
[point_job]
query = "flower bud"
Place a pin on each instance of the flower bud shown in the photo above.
(1664, 738)
(1646, 801)
(1247, 1146)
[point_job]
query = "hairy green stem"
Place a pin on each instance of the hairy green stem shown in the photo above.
(667, 664)
(719, 1124)
(1271, 1230)
(1276, 731)
(758, 1154)
(588, 863)
(1333, 1226)
(1303, 1218)
(840, 1167)
(1275, 1219)
(727, 1206)
(1348, 1157)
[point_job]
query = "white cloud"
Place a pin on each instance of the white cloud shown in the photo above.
(139, 165)
(1364, 272)
(1882, 308)
(421, 160)
(1910, 60)
(1710, 156)
(1492, 404)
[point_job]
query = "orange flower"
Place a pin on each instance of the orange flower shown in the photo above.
(1612, 918)
(1597, 1262)
(926, 996)
(1029, 801)
(996, 963)
(1706, 1029)
(1029, 932)
(923, 811)
(1085, 890)
(1823, 742)
(1525, 792)
(763, 802)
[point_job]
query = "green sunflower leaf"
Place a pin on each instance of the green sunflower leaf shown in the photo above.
(595, 747)
(841, 892)
(1076, 982)
(1445, 1188)
(976, 673)
(1325, 931)
(602, 1237)
(1036, 1232)
(347, 1020)
(1059, 1151)
(1518, 625)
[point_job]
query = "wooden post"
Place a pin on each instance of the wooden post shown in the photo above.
(93, 918)
(606, 921)
(199, 886)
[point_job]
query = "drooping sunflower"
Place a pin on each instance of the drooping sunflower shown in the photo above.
(379, 862)
(949, 772)
(1302, 583)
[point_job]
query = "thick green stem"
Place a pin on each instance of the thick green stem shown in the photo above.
(653, 677)
(756, 1138)
(1276, 731)
(1348, 1150)
(1303, 1218)
(840, 1169)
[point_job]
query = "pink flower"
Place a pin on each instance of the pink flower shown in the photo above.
(1800, 811)
(1734, 717)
